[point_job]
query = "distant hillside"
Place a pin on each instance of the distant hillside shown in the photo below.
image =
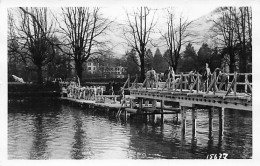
(201, 27)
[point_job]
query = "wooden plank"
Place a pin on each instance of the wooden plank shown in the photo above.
(148, 109)
(131, 110)
(195, 94)
(240, 101)
(177, 93)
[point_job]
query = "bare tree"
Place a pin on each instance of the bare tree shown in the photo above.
(243, 30)
(177, 35)
(224, 32)
(137, 33)
(11, 37)
(233, 30)
(33, 40)
(82, 34)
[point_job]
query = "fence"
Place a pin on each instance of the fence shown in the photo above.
(232, 82)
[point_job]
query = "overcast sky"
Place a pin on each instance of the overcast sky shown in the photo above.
(191, 12)
(118, 14)
(115, 10)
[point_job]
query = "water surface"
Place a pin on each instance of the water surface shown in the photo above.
(52, 130)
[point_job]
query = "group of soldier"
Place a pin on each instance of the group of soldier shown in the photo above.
(74, 90)
(152, 78)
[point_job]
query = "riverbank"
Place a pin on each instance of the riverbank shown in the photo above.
(24, 90)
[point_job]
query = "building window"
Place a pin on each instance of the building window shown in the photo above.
(94, 68)
(89, 68)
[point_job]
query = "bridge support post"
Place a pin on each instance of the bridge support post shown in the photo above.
(221, 122)
(162, 106)
(132, 103)
(125, 114)
(194, 117)
(211, 111)
(140, 103)
(176, 117)
(221, 127)
(154, 104)
(183, 120)
(146, 103)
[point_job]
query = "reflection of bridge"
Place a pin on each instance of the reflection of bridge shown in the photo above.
(238, 95)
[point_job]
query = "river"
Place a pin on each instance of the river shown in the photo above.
(53, 130)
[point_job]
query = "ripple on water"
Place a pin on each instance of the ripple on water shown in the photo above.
(57, 131)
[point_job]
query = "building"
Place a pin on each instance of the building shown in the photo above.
(105, 69)
(114, 71)
(92, 66)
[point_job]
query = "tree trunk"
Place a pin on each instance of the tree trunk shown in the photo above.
(69, 68)
(175, 65)
(39, 74)
(79, 69)
(142, 68)
(171, 58)
(232, 61)
(242, 62)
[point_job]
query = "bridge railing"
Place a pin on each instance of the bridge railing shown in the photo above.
(239, 82)
(224, 82)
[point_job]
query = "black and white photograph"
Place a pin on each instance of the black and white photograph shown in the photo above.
(156, 81)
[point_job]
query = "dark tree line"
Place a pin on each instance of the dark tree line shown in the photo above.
(196, 60)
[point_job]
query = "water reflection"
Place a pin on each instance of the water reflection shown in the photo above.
(54, 131)
(79, 137)
(38, 149)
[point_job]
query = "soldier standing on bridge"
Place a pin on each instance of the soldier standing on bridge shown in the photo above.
(171, 77)
(191, 77)
(208, 75)
(121, 95)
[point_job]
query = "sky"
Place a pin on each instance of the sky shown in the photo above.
(118, 14)
(189, 11)
(115, 10)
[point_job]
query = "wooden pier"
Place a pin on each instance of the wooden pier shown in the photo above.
(145, 99)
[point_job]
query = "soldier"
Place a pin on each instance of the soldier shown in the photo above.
(171, 76)
(121, 95)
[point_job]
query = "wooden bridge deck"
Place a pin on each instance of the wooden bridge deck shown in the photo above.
(241, 101)
(194, 95)
(190, 95)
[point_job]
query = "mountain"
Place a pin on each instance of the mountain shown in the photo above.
(200, 30)
(201, 27)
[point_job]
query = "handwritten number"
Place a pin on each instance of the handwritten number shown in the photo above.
(225, 155)
(217, 156)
